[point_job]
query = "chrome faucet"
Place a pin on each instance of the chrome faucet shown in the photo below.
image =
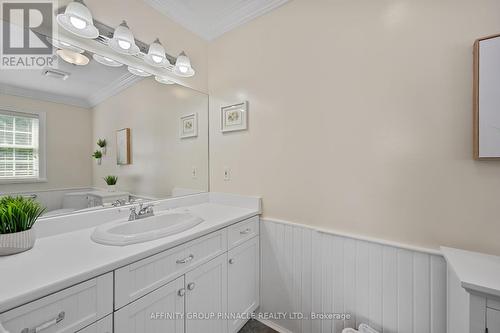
(144, 211)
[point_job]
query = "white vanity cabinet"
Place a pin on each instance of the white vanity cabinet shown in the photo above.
(66, 311)
(493, 320)
(243, 281)
(194, 287)
(206, 294)
(104, 325)
(473, 291)
(159, 311)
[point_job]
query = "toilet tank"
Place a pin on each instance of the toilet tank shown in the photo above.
(75, 200)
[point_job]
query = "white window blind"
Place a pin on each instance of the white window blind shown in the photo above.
(19, 146)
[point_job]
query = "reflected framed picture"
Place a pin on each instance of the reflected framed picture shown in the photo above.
(123, 146)
(234, 117)
(189, 126)
(487, 98)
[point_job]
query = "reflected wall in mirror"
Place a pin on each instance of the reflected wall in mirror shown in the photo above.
(49, 128)
(487, 98)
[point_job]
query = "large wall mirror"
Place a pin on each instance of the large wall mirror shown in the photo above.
(156, 137)
(487, 98)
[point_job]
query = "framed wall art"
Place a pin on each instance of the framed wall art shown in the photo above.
(189, 126)
(234, 117)
(123, 146)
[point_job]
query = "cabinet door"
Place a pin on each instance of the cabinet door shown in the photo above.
(158, 312)
(243, 281)
(104, 325)
(206, 295)
(493, 320)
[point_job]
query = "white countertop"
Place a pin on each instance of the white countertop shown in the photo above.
(60, 261)
(476, 271)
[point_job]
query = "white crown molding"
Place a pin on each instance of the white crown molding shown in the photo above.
(120, 84)
(112, 89)
(44, 96)
(227, 19)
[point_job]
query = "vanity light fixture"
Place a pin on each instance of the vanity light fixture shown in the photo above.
(163, 80)
(106, 61)
(123, 40)
(138, 72)
(73, 57)
(77, 19)
(63, 45)
(156, 54)
(183, 66)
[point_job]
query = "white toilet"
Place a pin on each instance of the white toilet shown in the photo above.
(363, 328)
(72, 201)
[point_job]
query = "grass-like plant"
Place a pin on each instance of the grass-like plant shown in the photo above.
(101, 143)
(97, 154)
(111, 180)
(18, 214)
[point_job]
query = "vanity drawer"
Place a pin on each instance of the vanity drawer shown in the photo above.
(68, 310)
(242, 231)
(142, 277)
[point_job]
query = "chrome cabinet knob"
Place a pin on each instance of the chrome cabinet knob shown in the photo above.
(191, 286)
(181, 292)
(231, 261)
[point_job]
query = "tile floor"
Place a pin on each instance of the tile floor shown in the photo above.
(254, 326)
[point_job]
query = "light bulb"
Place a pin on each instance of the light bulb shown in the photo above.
(124, 44)
(78, 22)
(156, 58)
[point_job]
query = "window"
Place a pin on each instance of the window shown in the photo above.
(20, 146)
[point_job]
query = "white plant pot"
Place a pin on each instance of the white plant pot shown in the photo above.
(103, 150)
(111, 188)
(99, 161)
(17, 242)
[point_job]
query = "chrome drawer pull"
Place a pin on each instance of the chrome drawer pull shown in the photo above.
(47, 324)
(191, 286)
(181, 292)
(231, 261)
(246, 231)
(185, 260)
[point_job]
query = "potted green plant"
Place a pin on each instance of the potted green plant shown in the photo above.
(102, 144)
(17, 217)
(98, 156)
(111, 181)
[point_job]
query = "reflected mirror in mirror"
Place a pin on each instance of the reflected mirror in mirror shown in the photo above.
(86, 137)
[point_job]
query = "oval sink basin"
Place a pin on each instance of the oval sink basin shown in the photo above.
(123, 232)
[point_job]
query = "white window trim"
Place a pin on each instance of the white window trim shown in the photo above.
(42, 130)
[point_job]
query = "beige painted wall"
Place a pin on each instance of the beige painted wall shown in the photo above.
(160, 159)
(68, 144)
(360, 119)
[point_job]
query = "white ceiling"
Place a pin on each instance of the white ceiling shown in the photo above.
(86, 86)
(210, 19)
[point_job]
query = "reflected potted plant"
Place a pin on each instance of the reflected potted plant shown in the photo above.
(98, 156)
(102, 144)
(17, 217)
(111, 181)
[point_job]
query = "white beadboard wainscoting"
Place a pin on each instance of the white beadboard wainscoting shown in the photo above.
(395, 289)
